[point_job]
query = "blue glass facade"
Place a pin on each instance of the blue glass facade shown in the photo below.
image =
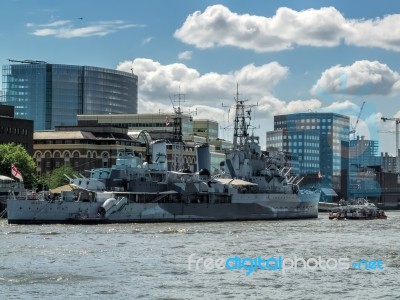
(53, 95)
(64, 98)
(303, 144)
(25, 89)
(319, 137)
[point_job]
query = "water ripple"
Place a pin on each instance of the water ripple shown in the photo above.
(150, 261)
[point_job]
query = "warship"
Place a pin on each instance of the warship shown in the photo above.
(252, 185)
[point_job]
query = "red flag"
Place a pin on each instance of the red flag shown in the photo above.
(16, 173)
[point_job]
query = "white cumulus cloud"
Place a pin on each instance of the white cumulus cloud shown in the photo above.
(323, 27)
(157, 81)
(362, 77)
(207, 92)
(380, 32)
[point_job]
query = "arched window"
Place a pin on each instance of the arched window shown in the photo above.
(76, 154)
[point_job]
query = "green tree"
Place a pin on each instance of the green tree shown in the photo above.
(17, 155)
(57, 177)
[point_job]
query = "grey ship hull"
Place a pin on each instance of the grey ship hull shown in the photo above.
(39, 212)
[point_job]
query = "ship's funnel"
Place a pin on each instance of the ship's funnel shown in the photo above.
(159, 153)
(203, 157)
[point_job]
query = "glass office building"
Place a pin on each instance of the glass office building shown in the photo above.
(301, 144)
(317, 139)
(53, 95)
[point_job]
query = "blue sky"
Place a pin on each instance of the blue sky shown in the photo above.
(287, 56)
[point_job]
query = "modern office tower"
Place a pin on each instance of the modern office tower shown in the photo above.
(53, 94)
(317, 139)
(301, 143)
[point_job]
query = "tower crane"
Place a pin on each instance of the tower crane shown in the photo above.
(353, 131)
(397, 120)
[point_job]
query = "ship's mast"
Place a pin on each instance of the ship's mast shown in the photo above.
(241, 133)
(177, 150)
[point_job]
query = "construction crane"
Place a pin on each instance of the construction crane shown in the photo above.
(397, 120)
(353, 131)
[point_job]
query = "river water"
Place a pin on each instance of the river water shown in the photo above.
(151, 261)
